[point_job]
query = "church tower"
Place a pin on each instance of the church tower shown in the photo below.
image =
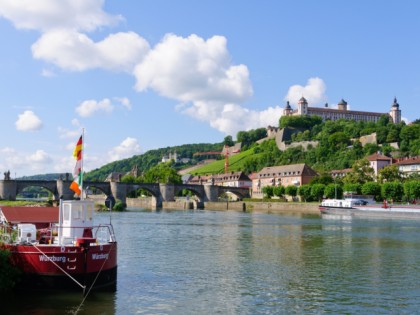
(302, 106)
(395, 112)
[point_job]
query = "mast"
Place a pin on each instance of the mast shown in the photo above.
(81, 163)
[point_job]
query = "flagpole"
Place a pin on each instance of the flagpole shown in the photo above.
(81, 164)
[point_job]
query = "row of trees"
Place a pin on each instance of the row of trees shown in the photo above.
(396, 191)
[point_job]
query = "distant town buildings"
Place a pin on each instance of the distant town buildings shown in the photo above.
(284, 175)
(232, 179)
(377, 161)
(174, 157)
(409, 165)
(341, 112)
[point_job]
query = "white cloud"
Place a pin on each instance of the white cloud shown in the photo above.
(47, 73)
(37, 162)
(192, 69)
(231, 118)
(75, 51)
(196, 72)
(124, 101)
(313, 92)
(40, 156)
(91, 107)
(28, 121)
(43, 15)
(68, 134)
(125, 149)
(406, 120)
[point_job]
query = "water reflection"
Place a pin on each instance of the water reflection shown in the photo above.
(204, 262)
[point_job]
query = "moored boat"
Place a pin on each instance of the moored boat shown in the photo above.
(360, 208)
(71, 254)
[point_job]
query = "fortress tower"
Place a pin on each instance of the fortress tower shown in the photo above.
(302, 106)
(342, 105)
(287, 110)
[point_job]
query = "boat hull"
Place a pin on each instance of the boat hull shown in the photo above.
(50, 267)
(373, 212)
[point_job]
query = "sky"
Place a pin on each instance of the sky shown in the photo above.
(137, 75)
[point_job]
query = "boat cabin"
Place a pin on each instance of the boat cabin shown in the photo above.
(75, 221)
(343, 203)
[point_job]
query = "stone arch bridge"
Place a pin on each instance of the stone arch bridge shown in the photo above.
(9, 189)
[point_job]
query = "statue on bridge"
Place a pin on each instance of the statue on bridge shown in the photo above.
(7, 175)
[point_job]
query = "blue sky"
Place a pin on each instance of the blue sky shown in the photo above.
(140, 75)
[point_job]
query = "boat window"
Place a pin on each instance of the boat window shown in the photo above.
(66, 213)
(89, 212)
(77, 213)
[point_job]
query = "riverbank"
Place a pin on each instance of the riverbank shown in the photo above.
(240, 206)
(183, 204)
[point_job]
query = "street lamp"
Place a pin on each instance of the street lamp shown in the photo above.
(335, 186)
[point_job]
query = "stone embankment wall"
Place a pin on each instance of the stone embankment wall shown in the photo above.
(263, 207)
(255, 207)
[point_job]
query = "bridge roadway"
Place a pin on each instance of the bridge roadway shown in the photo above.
(60, 188)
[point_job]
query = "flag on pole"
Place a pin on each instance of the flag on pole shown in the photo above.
(76, 185)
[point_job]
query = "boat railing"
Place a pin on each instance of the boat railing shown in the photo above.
(100, 234)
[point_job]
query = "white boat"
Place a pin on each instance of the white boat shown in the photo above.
(361, 208)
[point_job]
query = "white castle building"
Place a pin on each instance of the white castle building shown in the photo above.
(341, 112)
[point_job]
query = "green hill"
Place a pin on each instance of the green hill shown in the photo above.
(151, 158)
(338, 148)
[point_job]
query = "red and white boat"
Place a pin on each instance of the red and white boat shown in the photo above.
(71, 254)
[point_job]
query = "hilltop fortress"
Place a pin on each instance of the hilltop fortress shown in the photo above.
(341, 112)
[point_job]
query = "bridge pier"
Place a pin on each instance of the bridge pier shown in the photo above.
(63, 190)
(211, 192)
(119, 191)
(8, 189)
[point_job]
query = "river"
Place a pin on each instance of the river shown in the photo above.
(211, 262)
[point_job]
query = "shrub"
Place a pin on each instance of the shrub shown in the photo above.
(119, 206)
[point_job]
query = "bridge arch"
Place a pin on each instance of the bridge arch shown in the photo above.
(196, 189)
(48, 185)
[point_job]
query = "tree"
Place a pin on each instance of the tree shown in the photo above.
(305, 122)
(304, 192)
(278, 191)
(353, 188)
(372, 189)
(322, 179)
(291, 190)
(228, 141)
(338, 139)
(163, 173)
(268, 191)
(392, 191)
(390, 173)
(317, 191)
(412, 190)
(128, 179)
(333, 191)
(361, 173)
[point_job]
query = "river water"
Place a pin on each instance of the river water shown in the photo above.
(210, 262)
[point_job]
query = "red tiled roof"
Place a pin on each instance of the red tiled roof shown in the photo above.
(409, 161)
(378, 157)
(16, 215)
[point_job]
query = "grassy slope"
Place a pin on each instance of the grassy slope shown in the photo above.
(236, 163)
